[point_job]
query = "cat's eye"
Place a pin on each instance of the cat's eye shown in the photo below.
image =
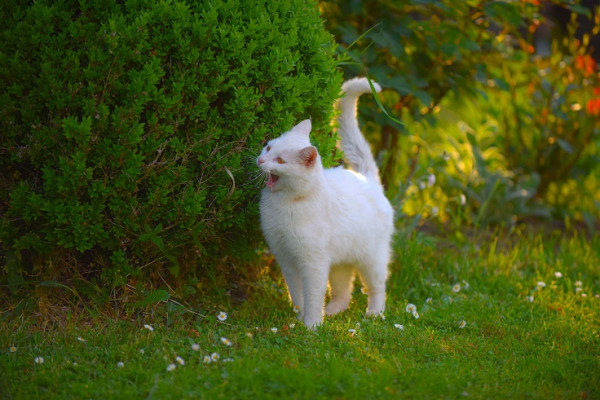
(268, 148)
(280, 160)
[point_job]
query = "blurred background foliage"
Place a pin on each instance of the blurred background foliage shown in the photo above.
(500, 106)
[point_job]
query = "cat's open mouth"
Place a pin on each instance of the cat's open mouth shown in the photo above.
(272, 180)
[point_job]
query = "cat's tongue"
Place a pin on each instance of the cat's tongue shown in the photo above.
(272, 180)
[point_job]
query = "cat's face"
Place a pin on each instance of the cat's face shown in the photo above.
(288, 160)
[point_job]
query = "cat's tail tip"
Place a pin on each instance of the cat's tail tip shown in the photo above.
(358, 86)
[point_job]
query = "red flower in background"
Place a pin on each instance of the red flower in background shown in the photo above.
(593, 107)
(586, 63)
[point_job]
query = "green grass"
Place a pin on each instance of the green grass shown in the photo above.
(510, 347)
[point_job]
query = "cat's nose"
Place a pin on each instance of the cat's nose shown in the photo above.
(260, 161)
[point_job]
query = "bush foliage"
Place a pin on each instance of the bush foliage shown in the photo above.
(495, 130)
(129, 128)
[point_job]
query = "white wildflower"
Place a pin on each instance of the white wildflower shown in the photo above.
(195, 346)
(222, 316)
(431, 180)
(541, 284)
(411, 308)
(151, 329)
(171, 367)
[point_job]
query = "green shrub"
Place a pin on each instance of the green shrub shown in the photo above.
(447, 65)
(129, 129)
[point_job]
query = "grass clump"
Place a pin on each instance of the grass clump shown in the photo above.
(511, 319)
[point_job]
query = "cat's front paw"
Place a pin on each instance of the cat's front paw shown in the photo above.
(313, 323)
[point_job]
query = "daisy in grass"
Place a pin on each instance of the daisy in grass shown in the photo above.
(222, 316)
(558, 275)
(142, 351)
(207, 359)
(195, 346)
(39, 360)
(82, 340)
(541, 284)
(352, 332)
(274, 330)
(529, 299)
(416, 315)
(292, 326)
(171, 367)
(13, 349)
(215, 357)
(456, 288)
(150, 328)
(179, 360)
(411, 308)
(226, 341)
(462, 324)
(429, 300)
(296, 308)
(120, 364)
(399, 327)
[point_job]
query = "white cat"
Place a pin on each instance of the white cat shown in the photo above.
(327, 223)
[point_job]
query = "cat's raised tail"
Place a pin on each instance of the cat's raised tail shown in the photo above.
(356, 149)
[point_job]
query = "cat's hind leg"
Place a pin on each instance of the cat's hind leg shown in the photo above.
(374, 279)
(340, 283)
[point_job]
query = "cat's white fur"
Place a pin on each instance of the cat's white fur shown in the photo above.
(327, 223)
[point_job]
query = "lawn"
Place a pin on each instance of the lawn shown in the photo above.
(510, 316)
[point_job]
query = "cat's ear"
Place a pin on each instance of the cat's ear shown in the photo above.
(303, 127)
(308, 156)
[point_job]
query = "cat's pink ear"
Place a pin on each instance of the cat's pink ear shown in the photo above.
(303, 127)
(308, 156)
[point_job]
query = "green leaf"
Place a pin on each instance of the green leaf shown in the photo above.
(153, 297)
(566, 146)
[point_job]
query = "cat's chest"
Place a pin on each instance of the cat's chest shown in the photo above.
(291, 217)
